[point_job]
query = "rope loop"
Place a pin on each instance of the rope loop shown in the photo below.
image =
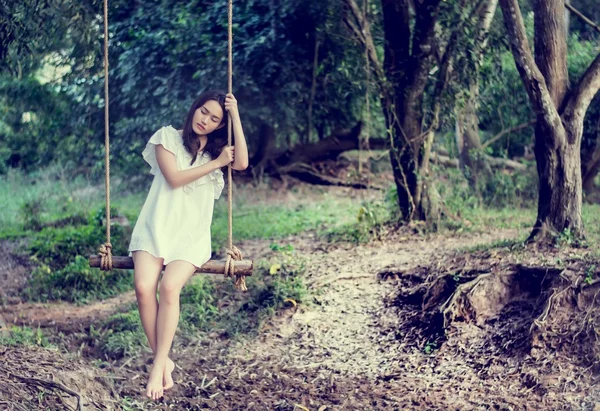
(233, 255)
(105, 252)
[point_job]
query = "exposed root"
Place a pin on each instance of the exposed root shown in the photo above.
(459, 306)
(541, 321)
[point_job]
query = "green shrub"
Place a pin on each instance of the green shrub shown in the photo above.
(30, 214)
(76, 282)
(25, 336)
(61, 257)
(370, 220)
(122, 335)
(198, 309)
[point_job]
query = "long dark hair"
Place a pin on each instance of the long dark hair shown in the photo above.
(217, 140)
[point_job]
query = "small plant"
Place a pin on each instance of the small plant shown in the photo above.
(198, 305)
(25, 336)
(565, 238)
(589, 274)
(370, 221)
(30, 214)
(430, 347)
(122, 335)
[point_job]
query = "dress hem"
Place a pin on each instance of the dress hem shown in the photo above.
(167, 261)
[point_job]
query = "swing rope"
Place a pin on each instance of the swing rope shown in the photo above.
(105, 250)
(233, 253)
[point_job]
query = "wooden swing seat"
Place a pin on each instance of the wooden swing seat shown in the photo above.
(243, 267)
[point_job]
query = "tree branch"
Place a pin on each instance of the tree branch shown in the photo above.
(582, 17)
(532, 77)
(584, 92)
(507, 131)
(363, 33)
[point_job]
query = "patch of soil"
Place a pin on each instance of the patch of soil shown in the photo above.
(33, 378)
(14, 271)
(64, 316)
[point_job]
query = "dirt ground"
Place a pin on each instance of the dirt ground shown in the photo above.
(358, 343)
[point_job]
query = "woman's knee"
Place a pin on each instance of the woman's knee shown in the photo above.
(169, 291)
(147, 270)
(145, 289)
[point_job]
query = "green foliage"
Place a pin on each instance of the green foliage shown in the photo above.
(77, 281)
(38, 127)
(370, 221)
(31, 29)
(30, 213)
(25, 336)
(198, 305)
(503, 190)
(590, 273)
(62, 270)
(122, 335)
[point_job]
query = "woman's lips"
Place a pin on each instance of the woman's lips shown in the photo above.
(200, 126)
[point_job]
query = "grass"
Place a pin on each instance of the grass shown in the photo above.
(36, 202)
(25, 336)
(53, 195)
(39, 199)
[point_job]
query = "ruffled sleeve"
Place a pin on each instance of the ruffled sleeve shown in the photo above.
(215, 177)
(219, 183)
(167, 137)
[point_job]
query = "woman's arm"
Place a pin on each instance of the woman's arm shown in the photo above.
(240, 161)
(176, 178)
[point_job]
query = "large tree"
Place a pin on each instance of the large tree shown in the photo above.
(560, 112)
(472, 160)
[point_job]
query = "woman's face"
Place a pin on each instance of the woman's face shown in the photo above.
(207, 118)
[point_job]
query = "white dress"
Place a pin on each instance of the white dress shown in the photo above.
(174, 223)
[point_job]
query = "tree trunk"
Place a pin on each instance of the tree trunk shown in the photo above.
(589, 172)
(407, 67)
(590, 157)
(559, 125)
(406, 162)
(559, 171)
(557, 154)
(473, 162)
(266, 144)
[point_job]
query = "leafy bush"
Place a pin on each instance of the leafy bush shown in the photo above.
(62, 269)
(198, 309)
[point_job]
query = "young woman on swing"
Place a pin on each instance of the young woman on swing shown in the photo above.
(173, 228)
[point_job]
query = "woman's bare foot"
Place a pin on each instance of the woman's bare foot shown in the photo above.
(154, 389)
(167, 378)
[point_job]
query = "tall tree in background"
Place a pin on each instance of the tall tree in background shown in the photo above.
(472, 160)
(406, 68)
(559, 112)
(418, 55)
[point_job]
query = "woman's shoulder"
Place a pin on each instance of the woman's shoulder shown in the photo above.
(170, 133)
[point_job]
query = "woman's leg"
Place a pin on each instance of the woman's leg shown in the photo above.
(146, 273)
(176, 275)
